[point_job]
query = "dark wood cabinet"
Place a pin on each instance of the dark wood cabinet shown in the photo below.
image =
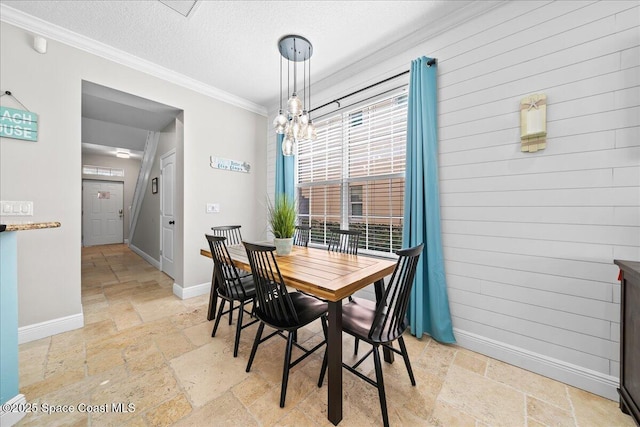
(630, 339)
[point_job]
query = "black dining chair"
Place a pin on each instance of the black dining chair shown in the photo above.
(382, 323)
(231, 287)
(345, 241)
(231, 232)
(301, 236)
(281, 310)
(234, 237)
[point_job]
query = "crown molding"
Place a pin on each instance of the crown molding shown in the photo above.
(46, 29)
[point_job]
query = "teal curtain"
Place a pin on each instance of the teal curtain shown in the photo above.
(429, 305)
(284, 172)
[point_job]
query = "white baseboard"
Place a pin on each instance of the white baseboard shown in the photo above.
(50, 327)
(191, 291)
(9, 418)
(146, 257)
(577, 376)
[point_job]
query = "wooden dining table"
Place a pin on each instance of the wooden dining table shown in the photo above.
(332, 276)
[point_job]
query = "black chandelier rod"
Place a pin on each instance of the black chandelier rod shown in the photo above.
(431, 62)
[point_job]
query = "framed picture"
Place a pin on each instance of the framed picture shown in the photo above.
(154, 185)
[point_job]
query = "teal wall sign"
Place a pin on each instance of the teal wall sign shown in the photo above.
(18, 124)
(228, 164)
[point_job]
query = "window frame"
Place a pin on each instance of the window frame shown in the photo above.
(103, 171)
(345, 182)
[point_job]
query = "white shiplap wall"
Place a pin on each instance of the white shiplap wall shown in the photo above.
(530, 238)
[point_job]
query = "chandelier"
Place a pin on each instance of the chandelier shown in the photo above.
(295, 123)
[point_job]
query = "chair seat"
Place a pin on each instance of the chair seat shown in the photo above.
(308, 309)
(243, 274)
(236, 294)
(359, 315)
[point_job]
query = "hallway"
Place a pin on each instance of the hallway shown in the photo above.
(143, 346)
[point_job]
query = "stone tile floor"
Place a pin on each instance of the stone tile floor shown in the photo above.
(142, 346)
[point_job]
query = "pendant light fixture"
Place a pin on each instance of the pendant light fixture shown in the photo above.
(295, 123)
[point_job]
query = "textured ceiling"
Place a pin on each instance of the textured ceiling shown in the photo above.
(232, 45)
(228, 46)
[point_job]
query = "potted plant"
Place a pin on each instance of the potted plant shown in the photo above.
(282, 220)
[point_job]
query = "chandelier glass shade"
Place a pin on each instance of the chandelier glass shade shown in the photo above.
(295, 122)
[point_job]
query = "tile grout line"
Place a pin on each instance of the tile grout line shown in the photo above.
(178, 323)
(573, 409)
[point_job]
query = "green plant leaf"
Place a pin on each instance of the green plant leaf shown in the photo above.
(282, 217)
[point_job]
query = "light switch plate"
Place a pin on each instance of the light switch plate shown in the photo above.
(213, 207)
(12, 208)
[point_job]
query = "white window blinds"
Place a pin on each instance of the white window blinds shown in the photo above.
(352, 176)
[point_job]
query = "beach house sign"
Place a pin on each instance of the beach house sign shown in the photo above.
(18, 124)
(228, 164)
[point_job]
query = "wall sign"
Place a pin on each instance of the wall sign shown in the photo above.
(533, 122)
(18, 124)
(228, 164)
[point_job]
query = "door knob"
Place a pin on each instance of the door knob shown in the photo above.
(171, 222)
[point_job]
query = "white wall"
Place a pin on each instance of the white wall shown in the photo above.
(131, 168)
(48, 171)
(146, 236)
(529, 238)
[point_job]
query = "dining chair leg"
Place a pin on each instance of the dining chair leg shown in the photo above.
(405, 356)
(380, 382)
(325, 327)
(213, 296)
(238, 329)
(285, 369)
(355, 347)
(295, 336)
(220, 310)
(323, 369)
(255, 345)
(230, 312)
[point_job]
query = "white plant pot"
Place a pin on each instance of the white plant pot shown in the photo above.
(283, 246)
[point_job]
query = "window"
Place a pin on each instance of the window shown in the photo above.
(352, 176)
(356, 200)
(101, 171)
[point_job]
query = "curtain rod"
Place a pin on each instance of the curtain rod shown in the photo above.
(431, 62)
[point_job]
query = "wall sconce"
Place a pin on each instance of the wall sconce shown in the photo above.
(40, 44)
(533, 122)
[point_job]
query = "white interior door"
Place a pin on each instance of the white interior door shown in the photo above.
(167, 211)
(102, 214)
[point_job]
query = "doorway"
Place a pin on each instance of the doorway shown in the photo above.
(102, 212)
(116, 131)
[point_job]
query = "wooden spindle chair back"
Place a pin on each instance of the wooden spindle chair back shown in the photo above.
(344, 241)
(225, 269)
(273, 303)
(390, 317)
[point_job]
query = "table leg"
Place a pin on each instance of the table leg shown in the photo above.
(334, 362)
(379, 287)
(213, 297)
